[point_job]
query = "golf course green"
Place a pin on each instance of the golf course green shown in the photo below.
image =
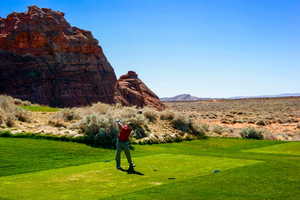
(215, 168)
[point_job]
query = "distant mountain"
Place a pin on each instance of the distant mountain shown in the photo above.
(268, 96)
(188, 97)
(183, 97)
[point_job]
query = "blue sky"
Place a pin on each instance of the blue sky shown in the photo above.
(208, 48)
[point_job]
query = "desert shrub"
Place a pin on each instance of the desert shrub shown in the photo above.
(10, 112)
(56, 123)
(100, 126)
(20, 102)
(125, 113)
(167, 115)
(261, 123)
(10, 121)
(22, 115)
(67, 115)
(100, 108)
(218, 129)
(200, 130)
(251, 133)
(150, 114)
(181, 122)
(100, 130)
(184, 123)
(7, 103)
(139, 123)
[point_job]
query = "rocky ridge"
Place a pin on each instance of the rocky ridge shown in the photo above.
(47, 61)
(130, 90)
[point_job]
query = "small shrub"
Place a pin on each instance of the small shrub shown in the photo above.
(200, 130)
(101, 130)
(22, 115)
(181, 122)
(10, 112)
(100, 108)
(251, 133)
(10, 121)
(150, 114)
(7, 104)
(67, 115)
(167, 115)
(218, 129)
(56, 123)
(261, 123)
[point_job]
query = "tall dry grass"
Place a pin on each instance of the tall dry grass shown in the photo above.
(9, 112)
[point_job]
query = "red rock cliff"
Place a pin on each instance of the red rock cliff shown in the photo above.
(45, 60)
(130, 90)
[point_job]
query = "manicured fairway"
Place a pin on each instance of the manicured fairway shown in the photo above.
(204, 169)
(292, 148)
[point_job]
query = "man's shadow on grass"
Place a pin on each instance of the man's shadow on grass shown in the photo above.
(131, 171)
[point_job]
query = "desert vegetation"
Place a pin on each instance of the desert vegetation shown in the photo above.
(10, 112)
(96, 124)
(273, 119)
(276, 118)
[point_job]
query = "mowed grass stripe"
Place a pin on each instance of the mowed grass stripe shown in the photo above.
(291, 148)
(99, 180)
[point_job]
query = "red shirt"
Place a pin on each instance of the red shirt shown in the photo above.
(124, 133)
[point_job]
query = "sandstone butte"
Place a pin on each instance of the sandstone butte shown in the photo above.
(130, 90)
(45, 60)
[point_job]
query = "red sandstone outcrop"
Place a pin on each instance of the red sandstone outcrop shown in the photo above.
(130, 90)
(45, 60)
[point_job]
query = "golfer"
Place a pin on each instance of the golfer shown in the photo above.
(123, 144)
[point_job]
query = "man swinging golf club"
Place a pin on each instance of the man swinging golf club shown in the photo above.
(123, 144)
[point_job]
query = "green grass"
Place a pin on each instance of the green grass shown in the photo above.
(40, 108)
(291, 148)
(246, 169)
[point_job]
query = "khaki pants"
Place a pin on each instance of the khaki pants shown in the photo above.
(123, 146)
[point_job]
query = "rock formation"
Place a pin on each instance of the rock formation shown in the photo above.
(47, 61)
(130, 90)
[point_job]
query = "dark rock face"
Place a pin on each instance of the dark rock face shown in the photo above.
(45, 60)
(130, 90)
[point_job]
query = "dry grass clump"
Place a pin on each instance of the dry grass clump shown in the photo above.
(67, 115)
(181, 122)
(218, 129)
(101, 130)
(98, 123)
(167, 115)
(99, 108)
(252, 133)
(10, 112)
(150, 114)
(184, 123)
(63, 116)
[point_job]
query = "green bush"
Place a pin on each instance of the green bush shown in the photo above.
(252, 133)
